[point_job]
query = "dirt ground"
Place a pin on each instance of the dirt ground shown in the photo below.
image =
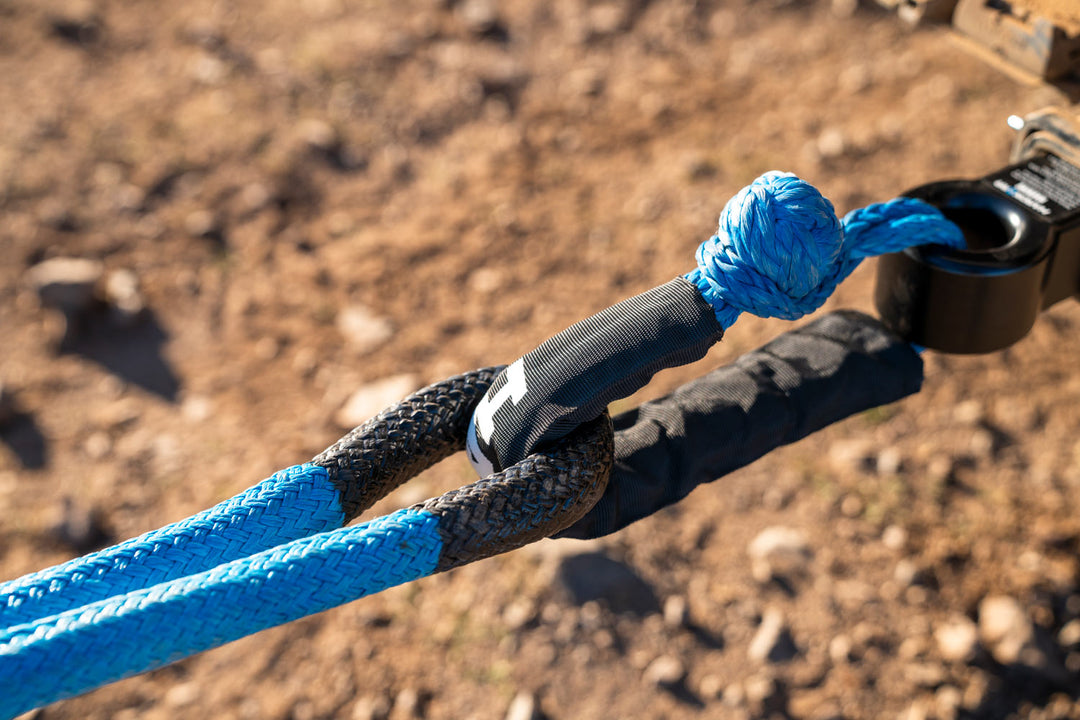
(315, 195)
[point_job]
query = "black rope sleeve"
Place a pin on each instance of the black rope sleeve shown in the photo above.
(804, 380)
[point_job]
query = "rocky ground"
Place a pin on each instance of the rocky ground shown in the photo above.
(230, 230)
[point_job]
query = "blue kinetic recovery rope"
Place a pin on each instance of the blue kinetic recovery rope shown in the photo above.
(279, 551)
(779, 251)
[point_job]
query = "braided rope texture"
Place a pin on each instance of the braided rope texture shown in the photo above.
(780, 250)
(424, 428)
(81, 647)
(85, 647)
(292, 503)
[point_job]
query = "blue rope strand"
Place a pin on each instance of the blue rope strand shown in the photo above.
(293, 503)
(780, 250)
(66, 654)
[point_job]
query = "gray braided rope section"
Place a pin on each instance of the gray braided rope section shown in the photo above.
(428, 426)
(533, 499)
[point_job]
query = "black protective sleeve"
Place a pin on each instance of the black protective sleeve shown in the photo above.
(836, 366)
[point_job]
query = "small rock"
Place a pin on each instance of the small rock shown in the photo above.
(665, 671)
(373, 398)
(895, 538)
(778, 551)
(181, 695)
(1007, 631)
(906, 573)
(121, 291)
(201, 223)
(855, 79)
(840, 649)
(675, 611)
(98, 446)
(255, 197)
(371, 708)
(925, 675)
(983, 443)
(523, 707)
(734, 695)
(852, 506)
(957, 639)
(67, 284)
(318, 135)
(518, 614)
(772, 642)
(831, 143)
(363, 329)
(711, 687)
(408, 705)
(947, 701)
(760, 690)
(607, 19)
(480, 17)
(1069, 635)
(854, 454)
(890, 461)
(969, 412)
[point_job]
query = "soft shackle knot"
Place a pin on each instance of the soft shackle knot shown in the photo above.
(780, 249)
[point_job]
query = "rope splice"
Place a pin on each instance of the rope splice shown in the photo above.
(779, 251)
(259, 560)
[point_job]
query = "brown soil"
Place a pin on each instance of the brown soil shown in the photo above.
(1063, 12)
(481, 185)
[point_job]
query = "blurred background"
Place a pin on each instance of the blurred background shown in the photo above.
(231, 230)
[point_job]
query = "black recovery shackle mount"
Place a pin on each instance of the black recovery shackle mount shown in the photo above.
(1022, 226)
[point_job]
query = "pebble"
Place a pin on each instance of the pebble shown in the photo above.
(772, 642)
(927, 675)
(957, 639)
(408, 705)
(523, 707)
(121, 291)
(373, 398)
(840, 649)
(181, 695)
(371, 708)
(734, 695)
(759, 690)
(479, 16)
(76, 21)
(318, 135)
(852, 454)
(201, 223)
(778, 551)
(947, 702)
(67, 284)
(831, 143)
(1007, 631)
(362, 328)
(969, 412)
(894, 538)
(890, 461)
(852, 506)
(1069, 635)
(675, 611)
(518, 614)
(98, 446)
(665, 671)
(711, 687)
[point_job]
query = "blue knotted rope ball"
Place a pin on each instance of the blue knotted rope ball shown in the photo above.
(780, 249)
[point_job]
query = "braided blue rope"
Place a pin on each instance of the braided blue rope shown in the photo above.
(780, 250)
(293, 503)
(62, 655)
